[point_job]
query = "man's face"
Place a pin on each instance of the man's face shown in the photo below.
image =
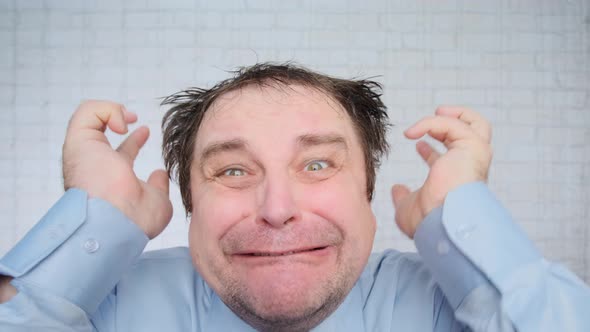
(281, 226)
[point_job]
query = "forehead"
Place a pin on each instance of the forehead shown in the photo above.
(273, 113)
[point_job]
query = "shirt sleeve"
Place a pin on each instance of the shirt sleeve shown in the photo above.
(72, 259)
(491, 273)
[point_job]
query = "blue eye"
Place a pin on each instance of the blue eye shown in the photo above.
(315, 166)
(234, 172)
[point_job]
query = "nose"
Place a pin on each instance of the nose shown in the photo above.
(277, 204)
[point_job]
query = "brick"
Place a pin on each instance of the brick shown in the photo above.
(6, 57)
(552, 98)
(141, 38)
(455, 59)
(563, 136)
(561, 23)
(525, 22)
(228, 5)
(177, 19)
(141, 19)
(405, 23)
(407, 59)
(32, 4)
(479, 6)
(421, 41)
(7, 20)
(467, 97)
(69, 38)
(104, 20)
(62, 19)
(6, 96)
(172, 4)
(7, 4)
(63, 75)
(517, 97)
(481, 42)
(30, 19)
(62, 57)
(103, 75)
(7, 37)
(67, 4)
(480, 78)
(506, 135)
(176, 37)
(110, 38)
(560, 61)
(250, 20)
(208, 20)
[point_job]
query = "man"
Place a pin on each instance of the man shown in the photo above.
(276, 168)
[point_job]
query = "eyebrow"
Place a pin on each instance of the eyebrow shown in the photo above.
(222, 146)
(303, 141)
(310, 140)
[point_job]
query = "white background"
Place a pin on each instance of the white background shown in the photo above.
(523, 63)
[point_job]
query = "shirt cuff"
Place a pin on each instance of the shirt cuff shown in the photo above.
(483, 230)
(78, 251)
(472, 240)
(453, 272)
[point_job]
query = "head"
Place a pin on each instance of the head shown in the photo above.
(276, 168)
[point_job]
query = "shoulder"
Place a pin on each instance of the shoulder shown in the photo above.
(396, 272)
(166, 266)
(393, 261)
(162, 255)
(164, 262)
(167, 273)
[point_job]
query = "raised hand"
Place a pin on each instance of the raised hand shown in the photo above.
(91, 164)
(466, 135)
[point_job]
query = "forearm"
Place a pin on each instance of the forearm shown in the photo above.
(488, 269)
(63, 269)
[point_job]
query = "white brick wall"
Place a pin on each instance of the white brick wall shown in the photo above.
(522, 63)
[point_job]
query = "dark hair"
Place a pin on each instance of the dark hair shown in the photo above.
(360, 98)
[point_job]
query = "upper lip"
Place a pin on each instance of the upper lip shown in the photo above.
(278, 253)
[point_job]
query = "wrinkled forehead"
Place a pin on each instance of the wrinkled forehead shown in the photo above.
(271, 108)
(275, 93)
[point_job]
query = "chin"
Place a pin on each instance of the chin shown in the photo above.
(288, 304)
(287, 308)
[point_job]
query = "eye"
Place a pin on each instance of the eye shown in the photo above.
(234, 172)
(315, 166)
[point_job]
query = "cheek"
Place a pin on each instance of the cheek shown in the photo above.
(343, 201)
(215, 211)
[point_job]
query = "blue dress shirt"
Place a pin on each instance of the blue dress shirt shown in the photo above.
(81, 268)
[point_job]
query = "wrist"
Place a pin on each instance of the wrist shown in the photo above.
(7, 291)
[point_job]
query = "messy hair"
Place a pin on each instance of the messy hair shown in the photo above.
(360, 98)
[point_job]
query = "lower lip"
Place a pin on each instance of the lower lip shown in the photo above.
(301, 255)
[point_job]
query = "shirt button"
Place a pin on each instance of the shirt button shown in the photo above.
(465, 231)
(91, 246)
(443, 247)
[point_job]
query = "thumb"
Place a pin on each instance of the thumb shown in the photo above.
(158, 213)
(398, 193)
(159, 180)
(406, 212)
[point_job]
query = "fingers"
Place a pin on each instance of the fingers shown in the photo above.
(100, 114)
(479, 124)
(134, 142)
(427, 152)
(444, 129)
